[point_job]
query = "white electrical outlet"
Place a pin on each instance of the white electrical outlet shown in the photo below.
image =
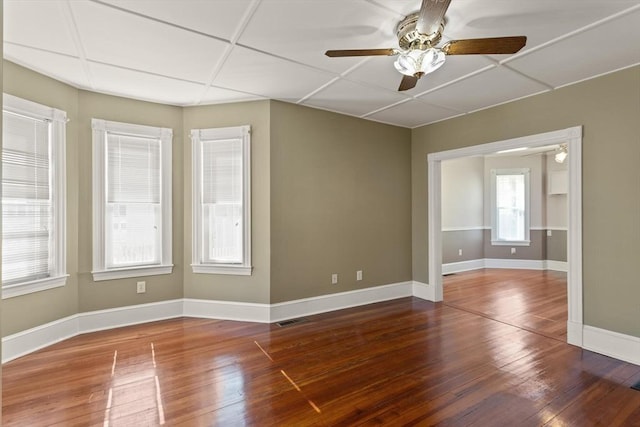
(513, 251)
(334, 279)
(141, 287)
(359, 275)
(549, 233)
(459, 252)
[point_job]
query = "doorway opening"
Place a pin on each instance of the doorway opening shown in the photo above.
(572, 139)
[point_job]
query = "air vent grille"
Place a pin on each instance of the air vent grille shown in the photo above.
(290, 322)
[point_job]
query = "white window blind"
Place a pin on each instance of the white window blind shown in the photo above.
(222, 200)
(221, 240)
(33, 197)
(27, 213)
(133, 216)
(131, 200)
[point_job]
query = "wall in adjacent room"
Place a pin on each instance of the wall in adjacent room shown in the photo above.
(340, 202)
(608, 108)
(536, 250)
(557, 216)
(462, 209)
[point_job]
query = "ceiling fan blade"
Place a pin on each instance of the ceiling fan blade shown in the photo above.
(495, 45)
(360, 52)
(431, 15)
(408, 82)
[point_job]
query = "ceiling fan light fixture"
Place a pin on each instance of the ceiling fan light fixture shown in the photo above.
(417, 61)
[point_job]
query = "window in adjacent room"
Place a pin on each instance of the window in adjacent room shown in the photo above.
(221, 200)
(131, 200)
(510, 207)
(33, 197)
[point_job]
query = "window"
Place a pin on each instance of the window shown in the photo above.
(131, 200)
(510, 202)
(33, 197)
(221, 200)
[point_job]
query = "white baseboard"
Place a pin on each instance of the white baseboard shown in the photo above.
(459, 267)
(226, 310)
(526, 264)
(25, 342)
(557, 265)
(30, 340)
(99, 320)
(423, 291)
(619, 346)
(574, 333)
(339, 301)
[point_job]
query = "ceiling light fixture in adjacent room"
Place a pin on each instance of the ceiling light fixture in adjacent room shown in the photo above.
(561, 153)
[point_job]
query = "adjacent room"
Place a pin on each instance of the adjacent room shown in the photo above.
(273, 212)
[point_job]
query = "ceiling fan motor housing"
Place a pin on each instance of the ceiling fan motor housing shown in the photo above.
(410, 38)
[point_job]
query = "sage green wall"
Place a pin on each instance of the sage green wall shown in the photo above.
(27, 311)
(254, 288)
(122, 292)
(340, 202)
(608, 108)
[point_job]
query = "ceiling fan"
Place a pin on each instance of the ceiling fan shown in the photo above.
(418, 36)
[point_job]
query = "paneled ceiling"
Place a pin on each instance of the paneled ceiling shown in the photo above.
(193, 52)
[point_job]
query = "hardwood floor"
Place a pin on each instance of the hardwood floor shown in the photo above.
(535, 300)
(401, 362)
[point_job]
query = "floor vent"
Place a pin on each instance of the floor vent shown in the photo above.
(448, 274)
(290, 322)
(636, 386)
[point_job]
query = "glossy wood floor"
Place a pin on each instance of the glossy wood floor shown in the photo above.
(535, 300)
(401, 362)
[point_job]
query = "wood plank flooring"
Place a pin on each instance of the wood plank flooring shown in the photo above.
(401, 362)
(535, 300)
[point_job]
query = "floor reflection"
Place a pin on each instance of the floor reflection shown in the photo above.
(135, 388)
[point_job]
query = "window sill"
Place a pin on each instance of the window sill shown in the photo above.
(122, 273)
(25, 288)
(511, 242)
(231, 269)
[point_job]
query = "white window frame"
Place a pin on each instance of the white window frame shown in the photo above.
(527, 207)
(100, 269)
(58, 120)
(197, 138)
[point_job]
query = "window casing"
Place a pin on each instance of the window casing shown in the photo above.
(33, 197)
(510, 205)
(131, 200)
(221, 184)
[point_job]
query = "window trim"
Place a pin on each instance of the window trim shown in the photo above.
(100, 129)
(527, 208)
(197, 137)
(58, 119)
